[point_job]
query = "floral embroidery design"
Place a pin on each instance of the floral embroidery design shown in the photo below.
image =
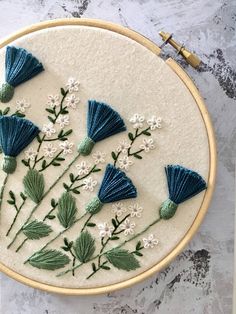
(136, 210)
(105, 230)
(83, 168)
(22, 105)
(128, 227)
(66, 146)
(72, 85)
(150, 242)
(49, 150)
(99, 157)
(89, 184)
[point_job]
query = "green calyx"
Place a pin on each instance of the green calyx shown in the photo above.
(6, 92)
(9, 164)
(86, 146)
(168, 209)
(94, 206)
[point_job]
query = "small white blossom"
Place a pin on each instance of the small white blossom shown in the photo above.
(49, 150)
(66, 147)
(147, 145)
(125, 163)
(105, 230)
(72, 101)
(22, 105)
(48, 129)
(53, 101)
(118, 209)
(136, 210)
(72, 85)
(30, 154)
(63, 120)
(99, 157)
(123, 147)
(154, 123)
(83, 168)
(128, 226)
(150, 242)
(89, 184)
(137, 121)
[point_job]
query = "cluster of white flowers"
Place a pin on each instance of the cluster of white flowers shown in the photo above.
(22, 105)
(119, 209)
(138, 120)
(150, 242)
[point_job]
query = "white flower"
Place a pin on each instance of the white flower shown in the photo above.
(30, 154)
(53, 101)
(147, 145)
(66, 147)
(89, 184)
(128, 226)
(99, 157)
(49, 150)
(48, 129)
(83, 168)
(118, 209)
(123, 147)
(125, 162)
(136, 210)
(72, 85)
(63, 119)
(72, 101)
(154, 123)
(150, 242)
(105, 230)
(137, 121)
(22, 105)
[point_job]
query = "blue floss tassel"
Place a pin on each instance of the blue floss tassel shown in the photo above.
(115, 186)
(102, 122)
(20, 66)
(15, 134)
(183, 184)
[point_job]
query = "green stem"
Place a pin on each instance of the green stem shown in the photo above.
(2, 189)
(132, 141)
(45, 194)
(36, 160)
(55, 238)
(95, 271)
(49, 164)
(17, 213)
(86, 222)
(117, 247)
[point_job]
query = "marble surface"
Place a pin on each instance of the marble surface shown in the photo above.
(200, 280)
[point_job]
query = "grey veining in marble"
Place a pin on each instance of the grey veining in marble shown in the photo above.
(200, 280)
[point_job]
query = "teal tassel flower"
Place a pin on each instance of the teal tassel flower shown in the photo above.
(20, 66)
(15, 134)
(115, 186)
(183, 184)
(102, 122)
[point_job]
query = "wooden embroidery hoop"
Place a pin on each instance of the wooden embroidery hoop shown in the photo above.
(212, 157)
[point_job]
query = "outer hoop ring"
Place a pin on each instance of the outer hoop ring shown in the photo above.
(212, 157)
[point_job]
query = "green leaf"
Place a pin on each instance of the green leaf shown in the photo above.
(0, 112)
(36, 230)
(34, 185)
(72, 178)
(114, 238)
(76, 191)
(60, 133)
(53, 202)
(138, 253)
(90, 224)
(147, 133)
(131, 137)
(22, 195)
(6, 110)
(96, 170)
(51, 217)
(44, 164)
(65, 248)
(49, 259)
(138, 245)
(63, 92)
(113, 155)
(114, 222)
(25, 162)
(19, 115)
(51, 119)
(94, 267)
(122, 259)
(66, 187)
(105, 267)
(68, 132)
(66, 210)
(60, 159)
(84, 247)
(66, 241)
(50, 110)
(55, 164)
(64, 111)
(39, 139)
(12, 195)
(11, 202)
(138, 156)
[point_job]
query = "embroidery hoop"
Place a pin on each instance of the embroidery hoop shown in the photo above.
(212, 157)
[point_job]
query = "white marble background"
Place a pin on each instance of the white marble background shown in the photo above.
(200, 280)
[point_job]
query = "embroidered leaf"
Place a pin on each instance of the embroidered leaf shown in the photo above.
(147, 133)
(114, 222)
(114, 156)
(51, 217)
(39, 139)
(84, 247)
(22, 195)
(94, 267)
(138, 253)
(76, 191)
(96, 170)
(66, 187)
(44, 164)
(6, 110)
(12, 195)
(72, 178)
(105, 267)
(63, 92)
(138, 156)
(11, 202)
(68, 132)
(50, 110)
(25, 162)
(138, 245)
(60, 159)
(66, 210)
(131, 137)
(122, 259)
(53, 202)
(114, 238)
(55, 164)
(19, 114)
(51, 119)
(36, 230)
(90, 224)
(34, 185)
(49, 259)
